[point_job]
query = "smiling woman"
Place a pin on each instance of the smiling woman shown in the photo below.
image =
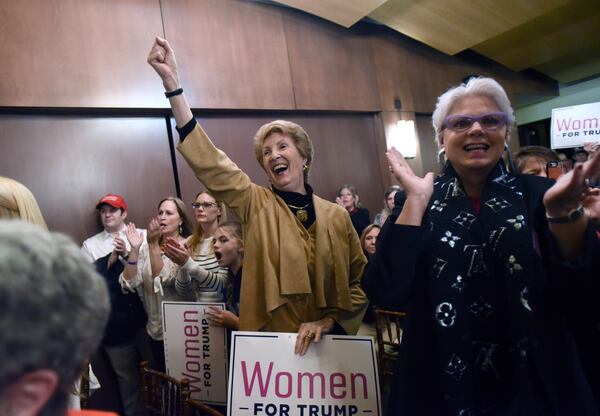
(486, 271)
(151, 272)
(303, 260)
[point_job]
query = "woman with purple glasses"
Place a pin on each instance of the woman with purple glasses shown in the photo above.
(489, 264)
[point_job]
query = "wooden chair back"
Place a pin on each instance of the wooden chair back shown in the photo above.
(388, 325)
(196, 408)
(162, 394)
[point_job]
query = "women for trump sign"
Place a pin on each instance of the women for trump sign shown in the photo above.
(576, 125)
(196, 350)
(337, 376)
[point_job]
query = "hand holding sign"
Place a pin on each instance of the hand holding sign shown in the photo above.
(312, 331)
(222, 317)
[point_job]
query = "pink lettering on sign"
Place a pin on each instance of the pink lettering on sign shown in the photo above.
(577, 124)
(335, 386)
(191, 332)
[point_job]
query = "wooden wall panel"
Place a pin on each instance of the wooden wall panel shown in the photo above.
(418, 74)
(78, 53)
(70, 162)
(414, 73)
(427, 144)
(345, 151)
(232, 54)
(392, 63)
(332, 68)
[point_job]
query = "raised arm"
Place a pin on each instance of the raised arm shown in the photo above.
(211, 166)
(418, 190)
(153, 238)
(162, 59)
(135, 239)
(392, 270)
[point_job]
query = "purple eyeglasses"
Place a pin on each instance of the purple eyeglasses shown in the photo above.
(488, 121)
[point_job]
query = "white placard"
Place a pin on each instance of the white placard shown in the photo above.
(338, 376)
(576, 125)
(196, 350)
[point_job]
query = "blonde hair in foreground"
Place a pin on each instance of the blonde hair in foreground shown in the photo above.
(17, 202)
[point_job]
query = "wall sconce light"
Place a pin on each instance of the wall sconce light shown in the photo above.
(402, 136)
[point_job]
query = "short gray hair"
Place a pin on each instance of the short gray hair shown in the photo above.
(478, 86)
(55, 307)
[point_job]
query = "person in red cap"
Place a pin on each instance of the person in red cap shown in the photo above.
(109, 251)
(113, 212)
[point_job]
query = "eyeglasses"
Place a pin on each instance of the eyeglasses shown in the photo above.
(488, 121)
(203, 205)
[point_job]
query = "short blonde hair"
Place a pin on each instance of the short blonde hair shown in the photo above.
(17, 202)
(286, 128)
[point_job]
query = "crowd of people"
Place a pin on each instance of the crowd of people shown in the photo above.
(495, 266)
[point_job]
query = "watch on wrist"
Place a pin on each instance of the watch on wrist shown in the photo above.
(572, 216)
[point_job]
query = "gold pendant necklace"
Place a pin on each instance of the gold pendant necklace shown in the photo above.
(301, 213)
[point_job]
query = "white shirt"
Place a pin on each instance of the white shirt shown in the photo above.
(154, 289)
(102, 244)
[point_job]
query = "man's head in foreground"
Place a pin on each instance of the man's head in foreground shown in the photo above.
(55, 307)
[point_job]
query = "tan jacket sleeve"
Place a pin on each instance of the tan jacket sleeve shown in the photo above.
(219, 174)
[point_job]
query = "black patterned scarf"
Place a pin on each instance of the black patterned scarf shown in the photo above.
(482, 290)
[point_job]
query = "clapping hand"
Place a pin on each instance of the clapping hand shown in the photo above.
(572, 189)
(175, 251)
(134, 236)
(154, 233)
(413, 185)
(418, 190)
(119, 249)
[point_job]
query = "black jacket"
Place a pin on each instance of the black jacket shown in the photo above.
(557, 375)
(127, 312)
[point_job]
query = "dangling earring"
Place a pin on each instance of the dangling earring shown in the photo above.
(304, 167)
(180, 230)
(509, 162)
(441, 158)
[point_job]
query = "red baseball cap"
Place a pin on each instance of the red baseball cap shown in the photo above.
(115, 201)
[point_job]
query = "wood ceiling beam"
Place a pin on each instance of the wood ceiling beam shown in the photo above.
(343, 12)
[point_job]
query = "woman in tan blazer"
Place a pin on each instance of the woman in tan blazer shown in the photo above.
(303, 261)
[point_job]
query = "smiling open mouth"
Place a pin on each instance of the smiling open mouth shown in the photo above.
(475, 147)
(280, 168)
